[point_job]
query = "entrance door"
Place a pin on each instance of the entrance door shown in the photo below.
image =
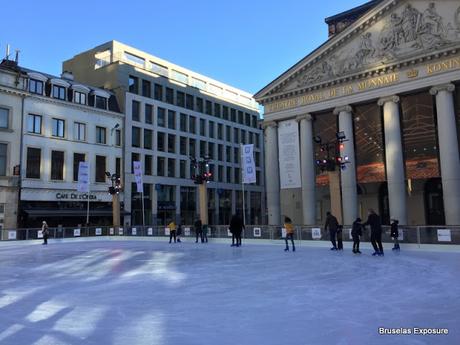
(434, 203)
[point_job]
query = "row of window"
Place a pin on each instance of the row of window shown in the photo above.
(34, 160)
(185, 100)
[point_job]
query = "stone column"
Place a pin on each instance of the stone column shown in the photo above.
(307, 170)
(272, 174)
(348, 176)
(394, 159)
(448, 151)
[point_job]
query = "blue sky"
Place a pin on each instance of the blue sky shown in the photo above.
(243, 43)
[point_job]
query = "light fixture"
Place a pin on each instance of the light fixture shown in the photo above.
(340, 135)
(317, 139)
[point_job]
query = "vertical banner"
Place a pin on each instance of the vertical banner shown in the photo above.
(248, 164)
(83, 177)
(138, 176)
(289, 154)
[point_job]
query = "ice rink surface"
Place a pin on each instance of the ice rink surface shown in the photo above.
(151, 292)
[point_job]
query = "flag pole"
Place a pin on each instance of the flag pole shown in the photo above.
(143, 211)
(242, 183)
(87, 209)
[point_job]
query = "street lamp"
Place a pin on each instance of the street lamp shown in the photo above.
(333, 150)
(201, 177)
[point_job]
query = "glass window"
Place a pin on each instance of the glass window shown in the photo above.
(228, 154)
(3, 149)
(211, 150)
(171, 119)
(161, 166)
(58, 92)
(192, 147)
(171, 143)
(133, 84)
(240, 117)
(189, 102)
(160, 141)
(136, 137)
(225, 112)
(199, 104)
(148, 165)
(237, 175)
(58, 128)
(101, 136)
(79, 131)
(202, 127)
(203, 148)
(257, 159)
(34, 124)
(101, 102)
(33, 163)
(100, 169)
(36, 86)
(134, 59)
(117, 137)
(180, 98)
(254, 121)
(217, 108)
(161, 118)
(220, 152)
(77, 158)
(228, 134)
(148, 114)
(211, 129)
(148, 138)
(4, 117)
(209, 107)
(243, 136)
(220, 172)
(118, 166)
(248, 119)
(183, 146)
(183, 168)
(233, 115)
(134, 158)
(183, 122)
(229, 175)
(169, 95)
(171, 167)
(220, 131)
(158, 92)
(257, 140)
(136, 110)
(79, 97)
(236, 138)
(191, 124)
(146, 88)
(236, 156)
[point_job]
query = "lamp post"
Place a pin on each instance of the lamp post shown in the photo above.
(201, 177)
(114, 190)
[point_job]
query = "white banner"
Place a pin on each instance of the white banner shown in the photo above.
(257, 232)
(138, 176)
(444, 235)
(11, 235)
(316, 233)
(186, 231)
(76, 232)
(283, 232)
(248, 163)
(149, 232)
(167, 232)
(111, 231)
(133, 231)
(289, 154)
(98, 231)
(40, 234)
(83, 177)
(120, 231)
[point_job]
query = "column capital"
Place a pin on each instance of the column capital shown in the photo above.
(271, 124)
(444, 87)
(383, 100)
(307, 117)
(343, 108)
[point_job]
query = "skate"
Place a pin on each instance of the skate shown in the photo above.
(178, 240)
(354, 251)
(358, 252)
(334, 248)
(286, 249)
(293, 249)
(375, 254)
(381, 254)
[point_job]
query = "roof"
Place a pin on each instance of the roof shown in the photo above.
(356, 11)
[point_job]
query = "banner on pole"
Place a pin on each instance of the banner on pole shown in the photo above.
(289, 154)
(83, 177)
(138, 176)
(249, 166)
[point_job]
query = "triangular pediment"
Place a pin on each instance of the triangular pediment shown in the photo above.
(393, 31)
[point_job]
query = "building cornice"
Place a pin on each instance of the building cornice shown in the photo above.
(449, 87)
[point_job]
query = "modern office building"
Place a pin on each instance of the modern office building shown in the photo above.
(388, 78)
(173, 114)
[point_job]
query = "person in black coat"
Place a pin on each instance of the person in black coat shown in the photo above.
(373, 220)
(198, 230)
(356, 231)
(236, 228)
(332, 225)
(394, 232)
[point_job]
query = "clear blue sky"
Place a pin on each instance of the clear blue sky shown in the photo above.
(243, 43)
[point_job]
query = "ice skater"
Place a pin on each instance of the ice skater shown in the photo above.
(289, 233)
(45, 232)
(373, 220)
(340, 237)
(332, 225)
(179, 232)
(172, 231)
(356, 232)
(198, 230)
(205, 233)
(236, 228)
(394, 232)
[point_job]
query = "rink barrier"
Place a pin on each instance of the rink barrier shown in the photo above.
(439, 235)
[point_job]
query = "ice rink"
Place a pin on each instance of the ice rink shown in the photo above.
(151, 292)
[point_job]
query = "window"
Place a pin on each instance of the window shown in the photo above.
(79, 97)
(217, 112)
(211, 150)
(100, 169)
(148, 139)
(4, 117)
(182, 168)
(136, 137)
(161, 166)
(171, 119)
(148, 165)
(183, 146)
(77, 158)
(243, 136)
(237, 175)
(240, 117)
(254, 121)
(34, 124)
(233, 115)
(248, 119)
(199, 104)
(202, 148)
(134, 158)
(101, 102)
(225, 112)
(133, 84)
(211, 129)
(36, 86)
(251, 137)
(257, 159)
(171, 167)
(169, 95)
(191, 124)
(134, 59)
(183, 122)
(118, 166)
(117, 137)
(235, 136)
(236, 156)
(158, 92)
(257, 140)
(161, 118)
(180, 99)
(79, 131)
(228, 154)
(220, 131)
(101, 135)
(160, 141)
(220, 152)
(146, 88)
(228, 136)
(229, 175)
(135, 111)
(209, 107)
(3, 148)
(189, 102)
(59, 92)
(148, 114)
(171, 143)
(33, 163)
(202, 127)
(58, 128)
(191, 147)
(220, 171)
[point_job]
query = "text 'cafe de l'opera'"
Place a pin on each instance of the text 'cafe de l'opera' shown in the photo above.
(370, 119)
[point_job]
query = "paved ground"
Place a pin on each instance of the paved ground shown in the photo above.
(150, 292)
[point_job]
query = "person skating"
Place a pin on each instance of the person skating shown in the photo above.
(45, 232)
(205, 233)
(198, 230)
(373, 220)
(289, 233)
(356, 232)
(394, 232)
(340, 237)
(331, 224)
(236, 228)
(172, 231)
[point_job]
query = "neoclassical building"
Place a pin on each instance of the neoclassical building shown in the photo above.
(388, 79)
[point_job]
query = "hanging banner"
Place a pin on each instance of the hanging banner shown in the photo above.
(138, 176)
(248, 163)
(83, 177)
(289, 154)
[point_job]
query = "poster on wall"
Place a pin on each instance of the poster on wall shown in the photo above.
(111, 231)
(120, 231)
(289, 154)
(167, 232)
(11, 235)
(76, 232)
(98, 231)
(134, 231)
(257, 232)
(444, 235)
(39, 234)
(149, 232)
(283, 232)
(186, 231)
(316, 233)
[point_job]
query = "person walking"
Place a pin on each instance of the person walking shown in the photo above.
(236, 228)
(198, 230)
(394, 232)
(179, 232)
(332, 225)
(289, 233)
(45, 232)
(373, 220)
(356, 232)
(172, 231)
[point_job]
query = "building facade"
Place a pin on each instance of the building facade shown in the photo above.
(173, 114)
(388, 79)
